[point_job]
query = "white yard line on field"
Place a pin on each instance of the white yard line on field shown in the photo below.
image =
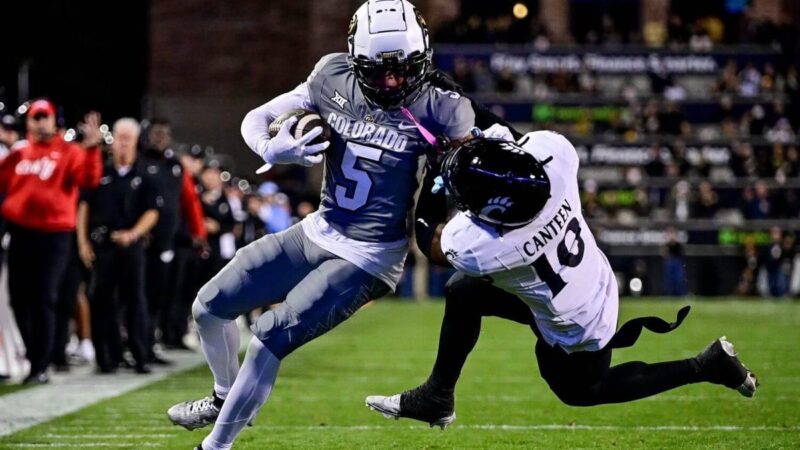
(540, 427)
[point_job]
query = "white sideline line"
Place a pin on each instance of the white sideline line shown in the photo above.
(86, 445)
(70, 392)
(493, 427)
(105, 436)
(541, 427)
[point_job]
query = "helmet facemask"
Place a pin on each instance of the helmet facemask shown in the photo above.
(389, 52)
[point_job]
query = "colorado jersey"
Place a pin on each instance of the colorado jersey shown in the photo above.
(553, 264)
(373, 166)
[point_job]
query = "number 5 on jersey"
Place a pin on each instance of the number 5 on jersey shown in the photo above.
(363, 183)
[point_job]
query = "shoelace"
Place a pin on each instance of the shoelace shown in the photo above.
(203, 405)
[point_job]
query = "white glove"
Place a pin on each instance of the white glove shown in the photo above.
(498, 131)
(285, 149)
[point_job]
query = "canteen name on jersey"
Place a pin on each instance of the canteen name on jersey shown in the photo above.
(368, 132)
(549, 231)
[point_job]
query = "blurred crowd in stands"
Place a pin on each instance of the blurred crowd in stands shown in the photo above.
(702, 151)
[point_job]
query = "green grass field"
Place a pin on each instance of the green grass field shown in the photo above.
(502, 402)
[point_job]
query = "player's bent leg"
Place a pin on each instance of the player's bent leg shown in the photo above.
(256, 378)
(219, 340)
(326, 297)
(323, 299)
(422, 403)
(467, 300)
(585, 378)
(260, 274)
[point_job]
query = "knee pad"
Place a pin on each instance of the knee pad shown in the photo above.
(202, 317)
(211, 298)
(280, 330)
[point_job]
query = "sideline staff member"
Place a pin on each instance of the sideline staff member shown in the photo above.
(40, 181)
(180, 201)
(120, 211)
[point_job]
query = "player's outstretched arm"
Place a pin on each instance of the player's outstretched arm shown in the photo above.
(431, 214)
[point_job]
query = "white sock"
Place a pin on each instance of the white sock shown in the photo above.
(249, 392)
(219, 339)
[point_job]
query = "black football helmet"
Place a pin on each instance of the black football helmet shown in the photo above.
(497, 181)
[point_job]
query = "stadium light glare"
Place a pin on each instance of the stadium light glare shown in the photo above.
(520, 11)
(635, 286)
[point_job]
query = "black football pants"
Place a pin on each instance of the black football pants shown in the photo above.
(578, 379)
(118, 271)
(159, 292)
(74, 274)
(36, 264)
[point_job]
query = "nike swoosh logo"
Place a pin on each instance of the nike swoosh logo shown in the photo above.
(405, 126)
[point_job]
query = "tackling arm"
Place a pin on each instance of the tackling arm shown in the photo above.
(431, 214)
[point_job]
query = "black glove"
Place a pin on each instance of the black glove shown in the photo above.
(441, 80)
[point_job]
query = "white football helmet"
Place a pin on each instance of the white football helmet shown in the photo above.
(388, 36)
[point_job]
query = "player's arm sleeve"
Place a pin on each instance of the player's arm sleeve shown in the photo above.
(460, 119)
(191, 209)
(255, 126)
(460, 242)
(431, 213)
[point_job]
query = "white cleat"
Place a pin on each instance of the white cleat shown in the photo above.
(390, 408)
(195, 414)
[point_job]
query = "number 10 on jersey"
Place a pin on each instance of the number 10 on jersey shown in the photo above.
(567, 256)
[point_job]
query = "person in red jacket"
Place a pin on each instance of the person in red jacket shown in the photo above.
(39, 187)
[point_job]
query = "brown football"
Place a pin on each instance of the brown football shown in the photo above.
(306, 121)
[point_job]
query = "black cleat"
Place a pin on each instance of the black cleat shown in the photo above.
(159, 361)
(422, 403)
(37, 378)
(143, 369)
(720, 364)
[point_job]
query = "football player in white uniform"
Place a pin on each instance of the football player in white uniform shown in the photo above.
(525, 253)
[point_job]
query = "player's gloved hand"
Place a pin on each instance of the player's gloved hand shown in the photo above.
(498, 131)
(285, 149)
